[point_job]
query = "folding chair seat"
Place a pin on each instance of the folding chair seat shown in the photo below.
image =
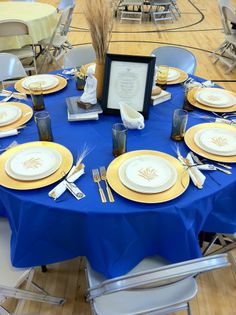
(132, 10)
(226, 52)
(174, 56)
(11, 68)
(19, 28)
(79, 56)
(152, 287)
(56, 46)
(11, 278)
(162, 10)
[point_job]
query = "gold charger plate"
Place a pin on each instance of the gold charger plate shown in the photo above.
(9, 182)
(60, 86)
(189, 140)
(176, 190)
(192, 100)
(27, 113)
(183, 77)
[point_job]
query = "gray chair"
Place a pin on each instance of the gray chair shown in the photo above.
(55, 47)
(177, 57)
(79, 56)
(11, 68)
(162, 10)
(64, 4)
(12, 278)
(226, 52)
(152, 287)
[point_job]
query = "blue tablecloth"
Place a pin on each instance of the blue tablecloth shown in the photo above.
(113, 236)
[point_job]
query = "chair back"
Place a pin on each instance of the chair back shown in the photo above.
(65, 3)
(64, 21)
(158, 277)
(79, 56)
(228, 15)
(177, 57)
(13, 28)
(11, 67)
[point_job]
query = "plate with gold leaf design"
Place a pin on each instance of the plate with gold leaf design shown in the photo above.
(9, 114)
(190, 142)
(217, 141)
(33, 163)
(215, 97)
(147, 174)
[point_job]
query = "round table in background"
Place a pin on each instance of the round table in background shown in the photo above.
(41, 19)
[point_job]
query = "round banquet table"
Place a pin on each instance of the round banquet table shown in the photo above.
(113, 236)
(41, 19)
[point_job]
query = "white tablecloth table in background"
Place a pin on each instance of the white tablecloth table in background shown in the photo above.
(40, 17)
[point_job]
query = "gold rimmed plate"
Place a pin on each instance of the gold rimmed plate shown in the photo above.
(189, 140)
(62, 83)
(176, 190)
(26, 115)
(182, 77)
(9, 182)
(192, 100)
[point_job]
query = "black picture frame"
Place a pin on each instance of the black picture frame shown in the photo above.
(127, 78)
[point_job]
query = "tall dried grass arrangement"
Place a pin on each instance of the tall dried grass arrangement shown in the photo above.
(100, 19)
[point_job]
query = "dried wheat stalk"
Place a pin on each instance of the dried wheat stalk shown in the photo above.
(99, 17)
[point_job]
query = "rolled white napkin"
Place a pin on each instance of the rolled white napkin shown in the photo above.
(73, 175)
(8, 133)
(14, 94)
(195, 174)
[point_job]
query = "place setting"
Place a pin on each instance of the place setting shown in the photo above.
(212, 99)
(49, 83)
(13, 117)
(147, 176)
(169, 75)
(34, 165)
(214, 141)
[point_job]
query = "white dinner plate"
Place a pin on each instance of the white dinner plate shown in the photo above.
(9, 114)
(215, 98)
(173, 75)
(47, 81)
(147, 174)
(33, 163)
(217, 141)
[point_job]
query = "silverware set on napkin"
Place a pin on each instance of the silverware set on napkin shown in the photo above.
(97, 178)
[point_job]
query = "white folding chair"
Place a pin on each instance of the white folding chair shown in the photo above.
(56, 46)
(174, 56)
(152, 287)
(19, 28)
(226, 52)
(131, 10)
(79, 56)
(162, 10)
(11, 68)
(11, 278)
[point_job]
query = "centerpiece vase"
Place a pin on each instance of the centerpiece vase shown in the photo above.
(99, 75)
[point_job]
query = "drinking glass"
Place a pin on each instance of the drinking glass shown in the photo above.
(119, 139)
(179, 122)
(43, 122)
(162, 75)
(36, 93)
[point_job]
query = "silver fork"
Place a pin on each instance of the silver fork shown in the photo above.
(97, 179)
(103, 173)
